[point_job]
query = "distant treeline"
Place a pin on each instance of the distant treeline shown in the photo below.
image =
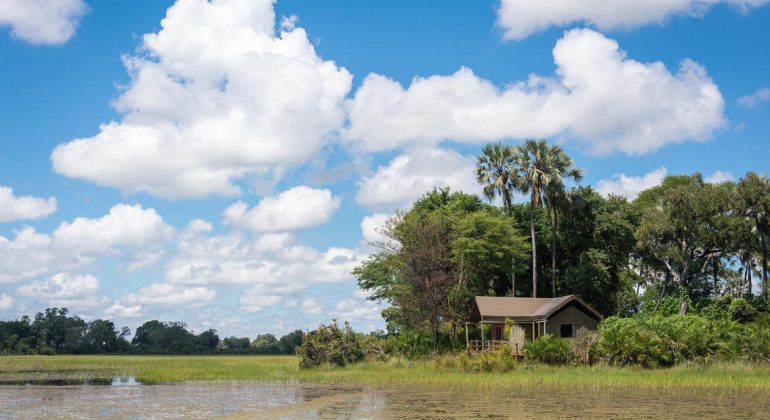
(55, 331)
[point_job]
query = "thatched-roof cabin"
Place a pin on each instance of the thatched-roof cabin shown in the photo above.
(562, 316)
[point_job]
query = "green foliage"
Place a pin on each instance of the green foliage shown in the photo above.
(330, 344)
(660, 341)
(550, 350)
(55, 331)
(685, 224)
(448, 248)
(597, 238)
(410, 344)
(741, 310)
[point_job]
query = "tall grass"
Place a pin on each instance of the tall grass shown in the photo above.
(716, 379)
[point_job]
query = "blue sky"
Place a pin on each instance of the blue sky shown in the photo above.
(228, 166)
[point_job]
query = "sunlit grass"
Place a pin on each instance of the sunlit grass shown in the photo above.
(713, 380)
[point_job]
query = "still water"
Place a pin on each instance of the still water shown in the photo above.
(126, 398)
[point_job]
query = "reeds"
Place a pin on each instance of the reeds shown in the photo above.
(446, 371)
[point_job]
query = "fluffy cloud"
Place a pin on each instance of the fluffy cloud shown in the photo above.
(254, 301)
(270, 267)
(14, 207)
(122, 311)
(521, 18)
(127, 225)
(642, 106)
(357, 308)
(170, 294)
(6, 302)
(42, 21)
(128, 231)
(719, 177)
(215, 96)
(62, 286)
(310, 306)
(631, 186)
(371, 228)
(272, 262)
(750, 101)
(410, 175)
(296, 208)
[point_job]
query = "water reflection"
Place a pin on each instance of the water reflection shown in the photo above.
(129, 381)
(117, 381)
(306, 400)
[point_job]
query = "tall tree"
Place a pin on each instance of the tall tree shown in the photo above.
(445, 250)
(686, 230)
(494, 171)
(540, 167)
(556, 198)
(754, 204)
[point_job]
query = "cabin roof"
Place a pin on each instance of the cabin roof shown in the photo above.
(498, 309)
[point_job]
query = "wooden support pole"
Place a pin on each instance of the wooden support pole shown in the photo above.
(467, 343)
(481, 326)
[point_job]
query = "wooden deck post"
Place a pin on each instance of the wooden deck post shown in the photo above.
(481, 326)
(467, 343)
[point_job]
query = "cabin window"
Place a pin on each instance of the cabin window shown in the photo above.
(567, 330)
(498, 334)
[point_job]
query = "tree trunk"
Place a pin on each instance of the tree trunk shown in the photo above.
(513, 275)
(534, 245)
(553, 249)
(763, 239)
(683, 306)
(715, 267)
(749, 269)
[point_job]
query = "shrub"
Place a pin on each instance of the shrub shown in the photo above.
(499, 360)
(741, 310)
(549, 349)
(664, 341)
(409, 344)
(330, 344)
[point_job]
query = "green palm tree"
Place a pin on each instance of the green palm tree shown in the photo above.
(556, 198)
(540, 172)
(495, 172)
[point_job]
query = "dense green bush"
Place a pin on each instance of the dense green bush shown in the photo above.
(549, 349)
(330, 344)
(665, 340)
(409, 344)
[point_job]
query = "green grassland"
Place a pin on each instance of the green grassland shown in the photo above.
(727, 379)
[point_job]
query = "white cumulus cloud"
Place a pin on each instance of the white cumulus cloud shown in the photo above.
(412, 174)
(521, 18)
(297, 208)
(170, 294)
(599, 97)
(13, 207)
(61, 286)
(276, 261)
(122, 311)
(630, 186)
(128, 225)
(6, 302)
(372, 227)
(128, 231)
(48, 22)
(215, 96)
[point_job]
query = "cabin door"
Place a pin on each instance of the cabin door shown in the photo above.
(497, 332)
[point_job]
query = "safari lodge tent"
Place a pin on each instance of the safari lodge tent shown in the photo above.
(565, 316)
